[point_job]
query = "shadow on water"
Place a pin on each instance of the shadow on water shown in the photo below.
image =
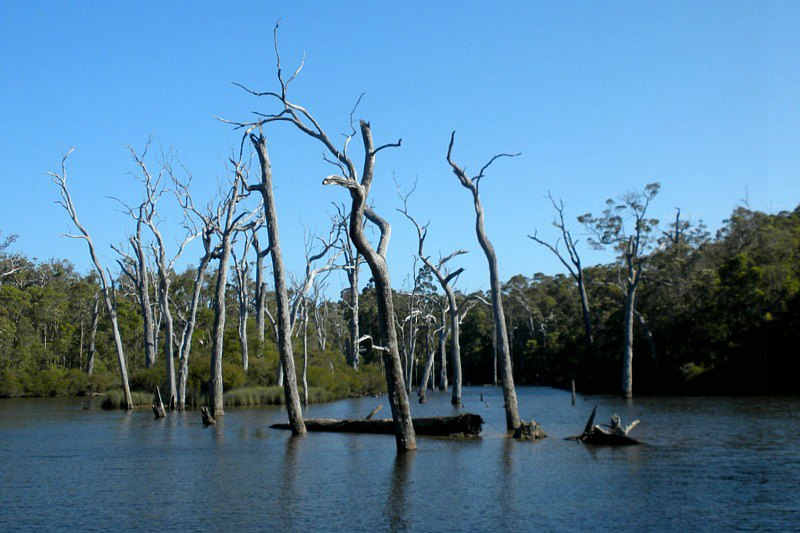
(398, 504)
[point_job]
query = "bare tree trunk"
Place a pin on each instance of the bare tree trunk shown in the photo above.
(503, 348)
(168, 347)
(93, 335)
(226, 231)
(142, 286)
(243, 314)
(305, 354)
(627, 352)
(188, 330)
(66, 203)
(494, 353)
(354, 325)
(284, 322)
(215, 383)
(587, 317)
(443, 385)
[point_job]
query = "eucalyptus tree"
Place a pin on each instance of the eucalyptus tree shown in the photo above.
(302, 119)
(472, 184)
(445, 278)
(632, 243)
(573, 266)
(109, 297)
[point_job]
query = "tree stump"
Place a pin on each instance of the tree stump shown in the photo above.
(207, 418)
(612, 434)
(529, 431)
(158, 405)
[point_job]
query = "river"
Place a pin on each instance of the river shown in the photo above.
(709, 464)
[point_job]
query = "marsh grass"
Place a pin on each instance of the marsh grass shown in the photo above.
(113, 399)
(254, 396)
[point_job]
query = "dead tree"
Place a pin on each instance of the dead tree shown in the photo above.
(431, 349)
(60, 179)
(319, 307)
(136, 267)
(472, 184)
(573, 266)
(93, 334)
(164, 266)
(304, 121)
(264, 187)
(260, 289)
(229, 224)
(206, 229)
(301, 301)
(352, 264)
(444, 278)
(241, 269)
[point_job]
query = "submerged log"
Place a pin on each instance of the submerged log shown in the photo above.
(613, 434)
(468, 425)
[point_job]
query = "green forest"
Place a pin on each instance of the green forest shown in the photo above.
(714, 314)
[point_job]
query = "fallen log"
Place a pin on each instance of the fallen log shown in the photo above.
(613, 434)
(468, 425)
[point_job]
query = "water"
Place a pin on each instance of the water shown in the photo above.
(710, 464)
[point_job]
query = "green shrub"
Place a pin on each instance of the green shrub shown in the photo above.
(261, 373)
(11, 385)
(102, 381)
(233, 376)
(147, 379)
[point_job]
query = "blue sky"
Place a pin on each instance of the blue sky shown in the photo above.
(600, 98)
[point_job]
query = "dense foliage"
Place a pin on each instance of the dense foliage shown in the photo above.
(717, 314)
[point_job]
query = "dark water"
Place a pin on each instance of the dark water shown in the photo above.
(711, 464)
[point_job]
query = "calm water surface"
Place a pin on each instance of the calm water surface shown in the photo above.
(710, 464)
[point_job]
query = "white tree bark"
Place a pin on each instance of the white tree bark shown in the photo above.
(108, 296)
(503, 348)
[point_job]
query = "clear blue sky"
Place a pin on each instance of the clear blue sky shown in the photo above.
(600, 97)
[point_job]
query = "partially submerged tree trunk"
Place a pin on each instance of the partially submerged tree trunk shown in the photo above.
(468, 425)
(158, 404)
(232, 224)
(290, 392)
(509, 393)
(108, 296)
